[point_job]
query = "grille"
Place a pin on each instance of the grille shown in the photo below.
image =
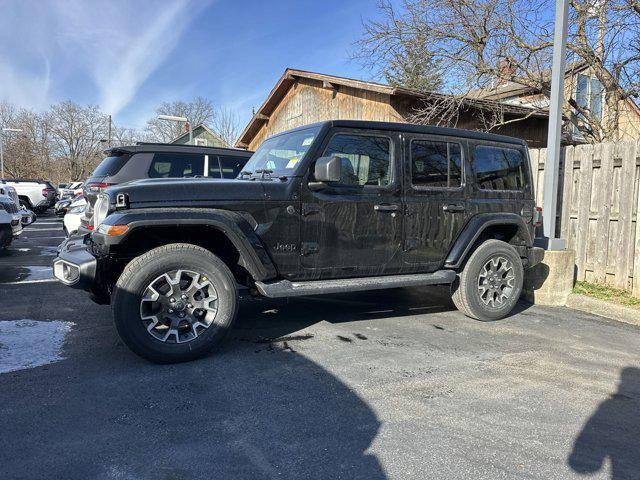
(9, 207)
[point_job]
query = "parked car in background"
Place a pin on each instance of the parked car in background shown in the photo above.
(10, 221)
(71, 190)
(333, 207)
(71, 221)
(160, 160)
(34, 194)
(27, 216)
(61, 206)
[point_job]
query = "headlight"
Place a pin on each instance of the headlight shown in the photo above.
(77, 210)
(101, 210)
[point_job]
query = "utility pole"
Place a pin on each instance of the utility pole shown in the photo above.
(550, 200)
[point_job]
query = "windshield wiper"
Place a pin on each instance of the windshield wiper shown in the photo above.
(245, 172)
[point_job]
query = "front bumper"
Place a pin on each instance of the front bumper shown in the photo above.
(75, 266)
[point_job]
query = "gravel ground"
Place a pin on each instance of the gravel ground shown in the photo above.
(389, 384)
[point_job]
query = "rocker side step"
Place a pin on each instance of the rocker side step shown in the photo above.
(286, 288)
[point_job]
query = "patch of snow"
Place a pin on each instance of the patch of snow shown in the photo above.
(30, 343)
(38, 273)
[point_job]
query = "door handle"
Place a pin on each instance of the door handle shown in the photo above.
(386, 208)
(454, 207)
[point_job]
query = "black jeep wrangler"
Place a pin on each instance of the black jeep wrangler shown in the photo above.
(332, 207)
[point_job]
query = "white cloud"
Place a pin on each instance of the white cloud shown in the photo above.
(115, 46)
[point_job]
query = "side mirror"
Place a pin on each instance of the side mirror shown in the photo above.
(328, 169)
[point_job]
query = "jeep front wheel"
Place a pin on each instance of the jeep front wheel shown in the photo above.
(490, 284)
(175, 303)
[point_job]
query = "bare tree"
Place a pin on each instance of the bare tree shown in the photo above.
(76, 133)
(400, 57)
(227, 126)
(199, 110)
(480, 44)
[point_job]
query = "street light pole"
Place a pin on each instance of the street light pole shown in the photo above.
(2, 147)
(550, 199)
(173, 118)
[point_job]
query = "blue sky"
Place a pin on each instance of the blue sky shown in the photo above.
(129, 56)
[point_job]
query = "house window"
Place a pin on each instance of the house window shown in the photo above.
(201, 142)
(589, 96)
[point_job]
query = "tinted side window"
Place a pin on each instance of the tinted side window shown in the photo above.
(110, 166)
(231, 166)
(166, 165)
(366, 160)
(499, 168)
(214, 167)
(435, 164)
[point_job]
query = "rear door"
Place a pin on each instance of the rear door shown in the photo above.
(435, 195)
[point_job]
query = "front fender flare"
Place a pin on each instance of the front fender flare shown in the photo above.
(474, 229)
(253, 255)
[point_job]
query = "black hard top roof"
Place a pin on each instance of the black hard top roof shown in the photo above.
(142, 147)
(411, 128)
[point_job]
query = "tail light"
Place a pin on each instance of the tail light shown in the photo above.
(95, 187)
(537, 217)
(46, 191)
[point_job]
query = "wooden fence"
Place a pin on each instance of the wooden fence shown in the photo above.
(598, 205)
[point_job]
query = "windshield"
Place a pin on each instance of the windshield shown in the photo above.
(281, 155)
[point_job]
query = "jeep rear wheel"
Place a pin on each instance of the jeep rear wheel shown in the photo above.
(175, 303)
(490, 284)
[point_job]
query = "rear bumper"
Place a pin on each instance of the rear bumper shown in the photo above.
(75, 266)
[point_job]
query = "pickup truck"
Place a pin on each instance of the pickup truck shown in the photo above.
(34, 194)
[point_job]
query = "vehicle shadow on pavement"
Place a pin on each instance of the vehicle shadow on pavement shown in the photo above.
(258, 408)
(613, 432)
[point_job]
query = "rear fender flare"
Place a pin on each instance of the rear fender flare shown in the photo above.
(475, 228)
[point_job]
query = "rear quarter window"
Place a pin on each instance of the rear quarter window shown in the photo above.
(110, 166)
(171, 165)
(499, 168)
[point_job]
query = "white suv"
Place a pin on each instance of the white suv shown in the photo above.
(10, 221)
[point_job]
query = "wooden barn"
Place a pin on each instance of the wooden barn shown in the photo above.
(301, 97)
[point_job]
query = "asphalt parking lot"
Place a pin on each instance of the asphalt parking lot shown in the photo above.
(393, 384)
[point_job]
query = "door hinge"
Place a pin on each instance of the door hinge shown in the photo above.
(309, 248)
(310, 208)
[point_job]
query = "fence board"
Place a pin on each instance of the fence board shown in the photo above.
(602, 206)
(567, 194)
(624, 240)
(584, 203)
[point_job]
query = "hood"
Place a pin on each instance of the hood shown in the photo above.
(180, 190)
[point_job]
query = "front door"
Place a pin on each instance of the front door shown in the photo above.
(354, 227)
(436, 209)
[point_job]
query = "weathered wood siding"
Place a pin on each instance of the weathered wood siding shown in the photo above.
(598, 204)
(308, 102)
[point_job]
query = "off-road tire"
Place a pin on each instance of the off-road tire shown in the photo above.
(136, 277)
(466, 295)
